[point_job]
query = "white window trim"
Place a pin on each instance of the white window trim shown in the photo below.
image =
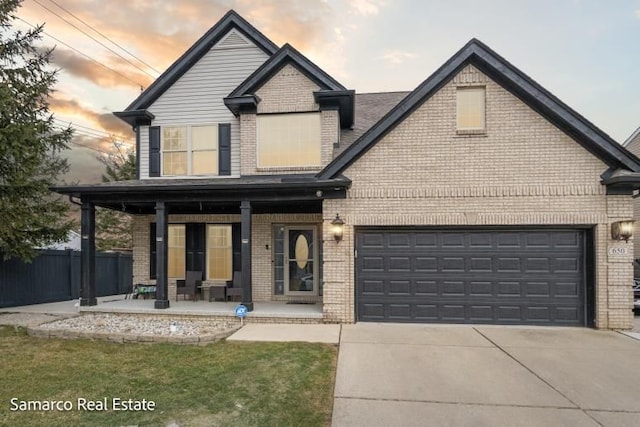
(189, 150)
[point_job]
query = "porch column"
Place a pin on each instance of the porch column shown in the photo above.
(88, 255)
(162, 231)
(245, 249)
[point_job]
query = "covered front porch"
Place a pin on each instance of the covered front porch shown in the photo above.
(275, 224)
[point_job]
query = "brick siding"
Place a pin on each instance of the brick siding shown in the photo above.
(522, 171)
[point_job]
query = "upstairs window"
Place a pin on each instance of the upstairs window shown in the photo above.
(471, 109)
(190, 150)
(289, 140)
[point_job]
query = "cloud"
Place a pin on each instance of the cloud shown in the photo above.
(302, 24)
(105, 121)
(366, 7)
(398, 56)
(82, 67)
(637, 13)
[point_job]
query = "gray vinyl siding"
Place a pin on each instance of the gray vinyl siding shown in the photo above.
(196, 98)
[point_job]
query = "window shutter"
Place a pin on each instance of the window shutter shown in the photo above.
(224, 148)
(154, 151)
(152, 250)
(195, 247)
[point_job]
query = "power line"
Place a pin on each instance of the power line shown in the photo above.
(107, 38)
(98, 131)
(93, 38)
(83, 54)
(88, 135)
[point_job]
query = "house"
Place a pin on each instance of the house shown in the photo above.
(632, 143)
(478, 197)
(72, 242)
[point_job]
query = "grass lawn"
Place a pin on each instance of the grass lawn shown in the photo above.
(239, 384)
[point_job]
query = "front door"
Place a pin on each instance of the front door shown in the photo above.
(301, 260)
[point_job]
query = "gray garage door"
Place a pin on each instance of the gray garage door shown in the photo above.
(471, 276)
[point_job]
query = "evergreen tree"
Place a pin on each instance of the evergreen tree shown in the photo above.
(113, 228)
(30, 162)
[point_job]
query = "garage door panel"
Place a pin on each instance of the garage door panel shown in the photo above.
(426, 312)
(426, 264)
(452, 240)
(372, 287)
(373, 263)
(567, 290)
(481, 288)
(510, 264)
(426, 288)
(481, 313)
(400, 312)
(399, 264)
(372, 311)
(481, 240)
(453, 312)
(514, 277)
(480, 265)
(400, 287)
(537, 289)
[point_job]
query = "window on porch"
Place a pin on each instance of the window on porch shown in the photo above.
(219, 252)
(176, 249)
(198, 246)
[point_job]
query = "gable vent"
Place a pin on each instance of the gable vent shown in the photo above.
(233, 39)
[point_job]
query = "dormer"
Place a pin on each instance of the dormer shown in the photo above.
(291, 113)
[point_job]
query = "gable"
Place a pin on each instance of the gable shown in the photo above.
(201, 89)
(520, 150)
(633, 142)
(329, 92)
(230, 21)
(519, 84)
(289, 90)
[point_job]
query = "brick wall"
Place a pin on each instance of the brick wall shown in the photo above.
(522, 171)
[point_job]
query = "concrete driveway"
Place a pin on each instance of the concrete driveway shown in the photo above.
(415, 375)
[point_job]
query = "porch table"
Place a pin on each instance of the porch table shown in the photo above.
(211, 291)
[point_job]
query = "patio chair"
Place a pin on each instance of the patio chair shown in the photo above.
(234, 287)
(189, 286)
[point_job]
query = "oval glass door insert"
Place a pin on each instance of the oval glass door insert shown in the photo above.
(302, 251)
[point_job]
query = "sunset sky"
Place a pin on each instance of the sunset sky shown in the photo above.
(586, 52)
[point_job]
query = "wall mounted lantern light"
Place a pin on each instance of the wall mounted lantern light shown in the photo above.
(622, 230)
(337, 229)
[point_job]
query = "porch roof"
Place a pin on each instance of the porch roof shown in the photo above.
(269, 193)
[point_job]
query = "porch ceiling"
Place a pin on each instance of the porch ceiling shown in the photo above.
(267, 194)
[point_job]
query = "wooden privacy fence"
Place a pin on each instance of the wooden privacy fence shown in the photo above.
(54, 275)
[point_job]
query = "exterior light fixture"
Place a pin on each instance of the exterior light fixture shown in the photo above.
(337, 229)
(622, 230)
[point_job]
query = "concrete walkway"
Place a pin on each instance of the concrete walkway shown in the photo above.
(329, 334)
(415, 375)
